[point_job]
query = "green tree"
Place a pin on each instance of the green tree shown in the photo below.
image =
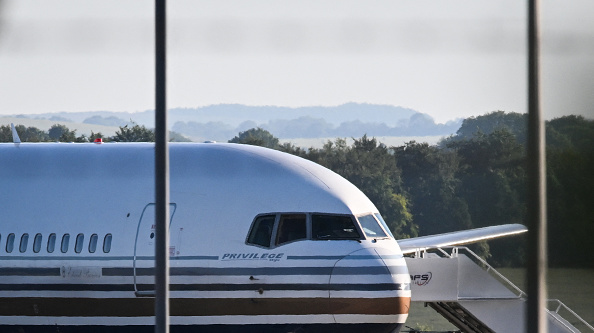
(97, 135)
(512, 122)
(31, 134)
(493, 181)
(257, 137)
(139, 133)
(26, 134)
(570, 180)
(571, 132)
(429, 176)
(59, 132)
(290, 148)
(5, 133)
(134, 133)
(70, 136)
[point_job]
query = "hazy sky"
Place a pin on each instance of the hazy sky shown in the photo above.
(449, 59)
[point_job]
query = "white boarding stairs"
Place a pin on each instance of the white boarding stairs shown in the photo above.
(474, 297)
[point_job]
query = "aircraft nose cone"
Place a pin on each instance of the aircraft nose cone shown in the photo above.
(371, 287)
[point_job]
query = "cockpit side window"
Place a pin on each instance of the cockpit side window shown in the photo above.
(261, 232)
(291, 227)
(379, 217)
(371, 227)
(333, 227)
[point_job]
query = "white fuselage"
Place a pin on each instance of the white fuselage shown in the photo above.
(100, 196)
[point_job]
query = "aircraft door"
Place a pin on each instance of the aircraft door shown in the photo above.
(144, 250)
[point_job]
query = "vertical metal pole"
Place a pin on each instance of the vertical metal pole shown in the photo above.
(537, 226)
(161, 176)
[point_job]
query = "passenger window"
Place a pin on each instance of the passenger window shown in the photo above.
(9, 243)
(291, 228)
(65, 241)
(37, 243)
(262, 231)
(333, 227)
(51, 243)
(107, 243)
(24, 242)
(78, 245)
(371, 227)
(93, 243)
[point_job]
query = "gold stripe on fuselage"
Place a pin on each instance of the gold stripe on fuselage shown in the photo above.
(143, 307)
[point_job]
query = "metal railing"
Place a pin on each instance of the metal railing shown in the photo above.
(559, 306)
(455, 250)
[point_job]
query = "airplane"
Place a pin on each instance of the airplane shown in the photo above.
(260, 241)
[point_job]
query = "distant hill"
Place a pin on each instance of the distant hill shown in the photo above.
(222, 122)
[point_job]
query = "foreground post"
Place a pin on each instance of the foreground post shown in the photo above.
(537, 227)
(161, 177)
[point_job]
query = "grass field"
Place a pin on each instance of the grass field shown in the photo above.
(573, 287)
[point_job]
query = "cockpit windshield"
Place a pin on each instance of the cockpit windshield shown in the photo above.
(333, 227)
(262, 230)
(371, 226)
(277, 229)
(291, 227)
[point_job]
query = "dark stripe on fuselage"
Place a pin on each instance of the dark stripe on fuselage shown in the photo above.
(61, 257)
(270, 328)
(142, 307)
(29, 271)
(207, 287)
(209, 271)
(351, 257)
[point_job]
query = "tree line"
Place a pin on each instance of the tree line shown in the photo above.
(61, 133)
(472, 179)
(475, 178)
